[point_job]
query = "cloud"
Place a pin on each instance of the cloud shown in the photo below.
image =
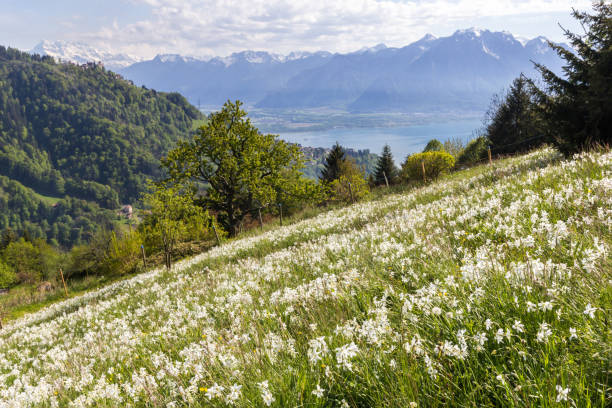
(219, 27)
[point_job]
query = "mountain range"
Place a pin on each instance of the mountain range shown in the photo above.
(457, 73)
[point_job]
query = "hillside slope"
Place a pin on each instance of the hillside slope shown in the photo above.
(79, 132)
(65, 127)
(489, 288)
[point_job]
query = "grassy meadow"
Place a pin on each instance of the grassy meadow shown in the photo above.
(491, 287)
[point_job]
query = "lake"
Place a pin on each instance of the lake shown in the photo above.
(403, 140)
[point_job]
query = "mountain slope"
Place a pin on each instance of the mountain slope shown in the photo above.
(489, 288)
(81, 131)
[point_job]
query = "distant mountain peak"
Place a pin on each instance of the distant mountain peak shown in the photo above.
(472, 31)
(428, 37)
(81, 53)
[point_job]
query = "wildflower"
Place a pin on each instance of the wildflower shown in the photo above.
(501, 379)
(499, 336)
(488, 324)
(344, 355)
(544, 332)
(518, 326)
(413, 404)
(215, 391)
(317, 349)
(234, 394)
(436, 311)
(266, 395)
(344, 404)
(590, 311)
(318, 392)
(481, 339)
(573, 334)
(544, 306)
(392, 364)
(562, 393)
(531, 306)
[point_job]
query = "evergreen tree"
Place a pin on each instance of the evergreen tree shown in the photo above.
(515, 124)
(578, 107)
(434, 145)
(385, 166)
(333, 162)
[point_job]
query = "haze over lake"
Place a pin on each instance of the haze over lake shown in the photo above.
(403, 140)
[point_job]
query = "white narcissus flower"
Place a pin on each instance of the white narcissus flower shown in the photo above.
(234, 394)
(544, 332)
(499, 336)
(590, 311)
(318, 392)
(562, 393)
(344, 355)
(518, 326)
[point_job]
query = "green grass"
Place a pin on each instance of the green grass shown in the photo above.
(49, 200)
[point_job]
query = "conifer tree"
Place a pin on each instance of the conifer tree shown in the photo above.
(578, 106)
(434, 145)
(385, 166)
(515, 123)
(333, 164)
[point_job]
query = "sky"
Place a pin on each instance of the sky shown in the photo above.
(145, 28)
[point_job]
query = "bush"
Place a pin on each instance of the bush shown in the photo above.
(475, 151)
(341, 192)
(7, 276)
(349, 173)
(31, 261)
(436, 163)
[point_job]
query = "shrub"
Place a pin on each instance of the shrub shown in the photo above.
(7, 276)
(436, 163)
(475, 151)
(349, 173)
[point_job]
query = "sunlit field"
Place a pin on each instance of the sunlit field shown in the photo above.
(491, 287)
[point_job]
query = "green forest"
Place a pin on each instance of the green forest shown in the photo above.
(76, 141)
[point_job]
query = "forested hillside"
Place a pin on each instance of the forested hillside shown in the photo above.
(81, 132)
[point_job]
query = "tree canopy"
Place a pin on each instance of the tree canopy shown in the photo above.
(241, 168)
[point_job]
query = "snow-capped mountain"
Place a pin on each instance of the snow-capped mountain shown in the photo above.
(82, 53)
(457, 72)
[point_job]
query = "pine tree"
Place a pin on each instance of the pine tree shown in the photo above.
(515, 124)
(333, 162)
(385, 166)
(578, 107)
(434, 145)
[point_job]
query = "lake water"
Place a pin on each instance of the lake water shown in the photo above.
(403, 140)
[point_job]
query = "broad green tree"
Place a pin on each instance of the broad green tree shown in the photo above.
(241, 168)
(385, 167)
(578, 105)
